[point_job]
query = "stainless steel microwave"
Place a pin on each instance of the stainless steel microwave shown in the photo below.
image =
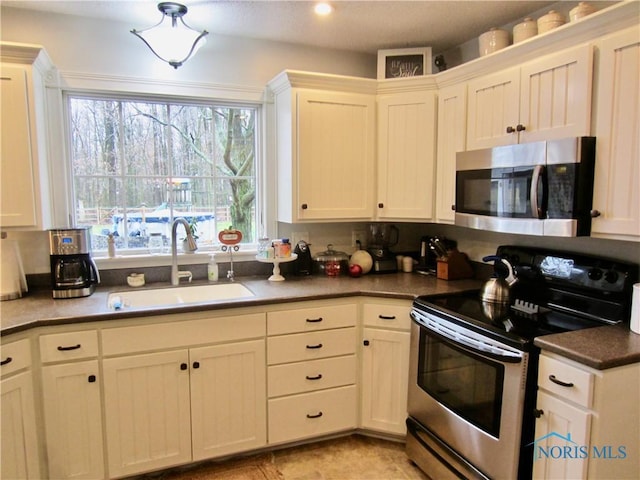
(539, 188)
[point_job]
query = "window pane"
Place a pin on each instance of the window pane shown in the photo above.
(137, 165)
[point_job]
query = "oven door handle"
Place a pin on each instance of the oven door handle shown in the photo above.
(460, 342)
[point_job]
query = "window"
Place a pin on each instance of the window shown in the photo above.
(137, 164)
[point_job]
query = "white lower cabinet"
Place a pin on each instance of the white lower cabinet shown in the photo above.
(172, 407)
(588, 421)
(385, 366)
(73, 420)
(72, 404)
(19, 455)
(311, 353)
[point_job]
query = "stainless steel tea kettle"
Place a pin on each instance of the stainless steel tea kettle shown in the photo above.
(498, 289)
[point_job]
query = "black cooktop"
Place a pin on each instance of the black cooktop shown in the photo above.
(505, 323)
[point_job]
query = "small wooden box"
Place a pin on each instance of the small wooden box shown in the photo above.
(455, 266)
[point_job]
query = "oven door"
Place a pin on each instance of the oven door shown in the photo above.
(469, 392)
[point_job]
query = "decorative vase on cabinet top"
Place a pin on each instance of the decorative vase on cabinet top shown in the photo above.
(526, 29)
(550, 21)
(492, 41)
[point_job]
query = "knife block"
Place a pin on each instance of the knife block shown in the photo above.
(455, 266)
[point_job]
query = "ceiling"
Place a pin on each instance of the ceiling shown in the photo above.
(361, 26)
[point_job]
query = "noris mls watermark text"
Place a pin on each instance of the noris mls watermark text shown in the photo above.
(557, 446)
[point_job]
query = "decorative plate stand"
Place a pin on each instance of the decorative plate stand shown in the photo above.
(276, 277)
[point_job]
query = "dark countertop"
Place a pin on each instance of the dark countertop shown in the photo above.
(38, 308)
(600, 347)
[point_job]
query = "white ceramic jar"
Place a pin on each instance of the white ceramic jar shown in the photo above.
(526, 29)
(550, 21)
(492, 41)
(581, 10)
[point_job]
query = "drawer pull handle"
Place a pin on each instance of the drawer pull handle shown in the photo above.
(559, 382)
(314, 320)
(66, 349)
(313, 347)
(317, 377)
(387, 317)
(6, 361)
(91, 378)
(317, 415)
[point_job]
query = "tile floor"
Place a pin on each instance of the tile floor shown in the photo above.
(349, 458)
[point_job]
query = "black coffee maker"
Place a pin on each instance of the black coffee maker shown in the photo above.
(73, 272)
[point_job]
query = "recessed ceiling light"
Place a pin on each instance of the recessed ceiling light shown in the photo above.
(323, 8)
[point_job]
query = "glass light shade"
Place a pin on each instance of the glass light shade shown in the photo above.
(172, 40)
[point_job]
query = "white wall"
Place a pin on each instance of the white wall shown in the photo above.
(77, 44)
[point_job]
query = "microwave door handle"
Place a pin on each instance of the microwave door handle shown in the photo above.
(536, 208)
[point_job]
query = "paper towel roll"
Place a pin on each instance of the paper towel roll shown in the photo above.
(635, 309)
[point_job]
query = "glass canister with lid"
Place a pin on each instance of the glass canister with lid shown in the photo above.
(332, 262)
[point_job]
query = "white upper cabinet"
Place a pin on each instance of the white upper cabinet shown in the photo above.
(452, 131)
(24, 171)
(617, 131)
(325, 147)
(406, 156)
(544, 99)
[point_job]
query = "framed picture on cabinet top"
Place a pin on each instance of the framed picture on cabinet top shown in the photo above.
(404, 62)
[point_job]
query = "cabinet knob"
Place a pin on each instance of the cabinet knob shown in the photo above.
(595, 213)
(366, 343)
(453, 207)
(91, 379)
(196, 364)
(304, 206)
(183, 366)
(510, 129)
(520, 128)
(381, 205)
(537, 412)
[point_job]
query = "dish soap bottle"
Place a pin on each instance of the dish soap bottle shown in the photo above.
(212, 269)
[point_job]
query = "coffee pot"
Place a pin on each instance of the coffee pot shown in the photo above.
(498, 288)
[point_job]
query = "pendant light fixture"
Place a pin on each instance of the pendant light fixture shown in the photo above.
(172, 40)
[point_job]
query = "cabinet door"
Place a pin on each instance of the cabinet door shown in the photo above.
(617, 176)
(452, 132)
(406, 156)
(18, 194)
(555, 96)
(562, 430)
(493, 105)
(147, 412)
(19, 452)
(385, 367)
(335, 155)
(228, 398)
(73, 420)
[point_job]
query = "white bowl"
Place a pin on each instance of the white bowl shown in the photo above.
(492, 41)
(136, 280)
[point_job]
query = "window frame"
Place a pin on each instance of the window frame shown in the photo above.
(135, 258)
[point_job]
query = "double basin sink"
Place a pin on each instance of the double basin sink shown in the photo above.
(180, 295)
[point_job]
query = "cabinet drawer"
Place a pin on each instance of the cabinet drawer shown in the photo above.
(313, 375)
(387, 316)
(140, 338)
(15, 356)
(311, 346)
(312, 414)
(311, 319)
(578, 384)
(60, 347)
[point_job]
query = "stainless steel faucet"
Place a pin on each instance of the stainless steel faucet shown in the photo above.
(176, 274)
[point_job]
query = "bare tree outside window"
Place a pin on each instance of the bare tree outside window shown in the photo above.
(137, 165)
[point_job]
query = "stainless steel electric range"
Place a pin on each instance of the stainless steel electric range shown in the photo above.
(473, 370)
